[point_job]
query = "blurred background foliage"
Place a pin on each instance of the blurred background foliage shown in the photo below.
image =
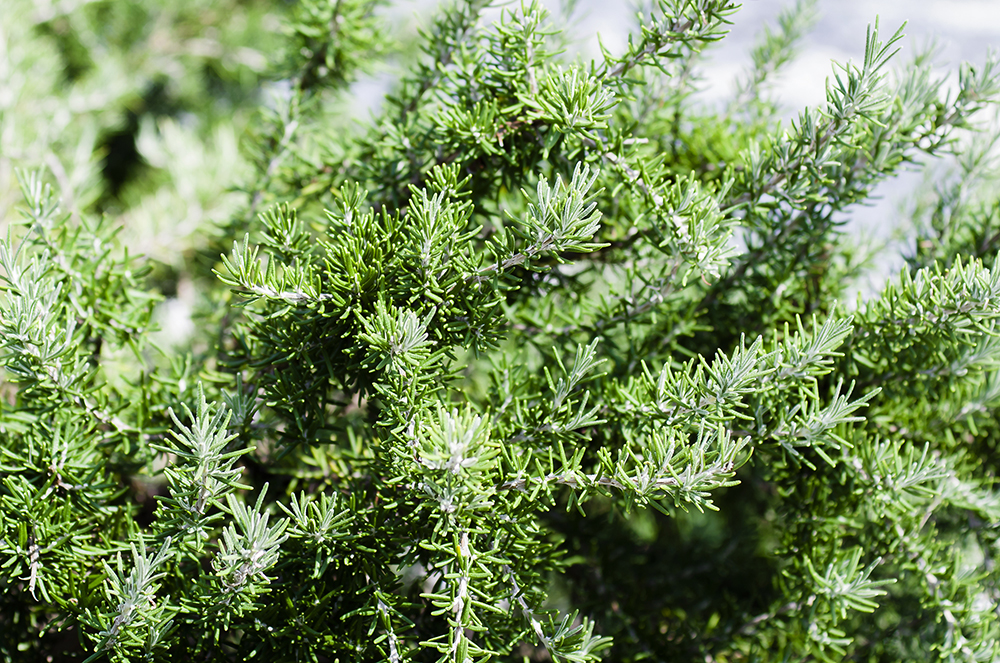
(148, 113)
(136, 111)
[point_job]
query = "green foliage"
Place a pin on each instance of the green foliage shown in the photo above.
(487, 377)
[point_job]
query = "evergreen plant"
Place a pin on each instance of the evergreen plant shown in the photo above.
(547, 360)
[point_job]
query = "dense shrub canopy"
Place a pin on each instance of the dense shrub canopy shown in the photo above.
(546, 360)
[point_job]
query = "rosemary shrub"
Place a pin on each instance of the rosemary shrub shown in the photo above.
(547, 360)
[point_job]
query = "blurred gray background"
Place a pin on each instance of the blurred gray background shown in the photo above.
(964, 30)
